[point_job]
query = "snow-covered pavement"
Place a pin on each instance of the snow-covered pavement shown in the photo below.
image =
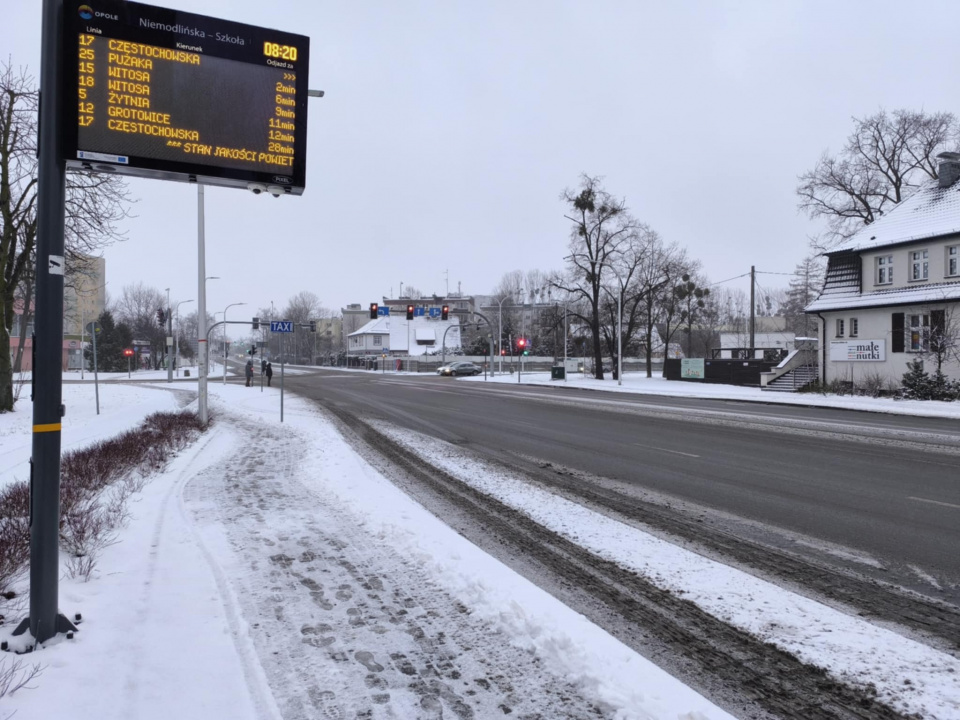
(271, 572)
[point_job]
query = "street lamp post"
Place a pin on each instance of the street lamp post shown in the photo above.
(176, 337)
(225, 339)
(500, 331)
(619, 332)
(202, 350)
(169, 340)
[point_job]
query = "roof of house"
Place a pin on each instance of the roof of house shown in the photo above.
(850, 298)
(930, 212)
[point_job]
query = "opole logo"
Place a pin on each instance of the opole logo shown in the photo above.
(86, 12)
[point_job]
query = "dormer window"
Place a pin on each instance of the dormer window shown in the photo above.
(919, 265)
(885, 270)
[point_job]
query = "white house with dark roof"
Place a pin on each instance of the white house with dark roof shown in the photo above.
(395, 335)
(894, 286)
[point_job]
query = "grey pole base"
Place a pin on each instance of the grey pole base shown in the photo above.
(63, 626)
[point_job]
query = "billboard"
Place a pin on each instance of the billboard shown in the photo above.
(692, 369)
(160, 93)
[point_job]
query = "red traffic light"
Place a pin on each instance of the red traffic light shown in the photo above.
(409, 312)
(445, 312)
(374, 311)
(521, 342)
(127, 352)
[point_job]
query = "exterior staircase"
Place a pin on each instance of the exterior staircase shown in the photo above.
(792, 381)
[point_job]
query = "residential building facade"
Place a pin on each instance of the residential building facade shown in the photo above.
(892, 290)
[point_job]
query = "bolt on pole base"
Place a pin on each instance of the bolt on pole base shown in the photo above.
(28, 643)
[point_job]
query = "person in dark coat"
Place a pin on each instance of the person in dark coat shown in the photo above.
(248, 371)
(269, 373)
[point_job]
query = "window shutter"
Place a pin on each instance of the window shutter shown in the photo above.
(938, 321)
(897, 332)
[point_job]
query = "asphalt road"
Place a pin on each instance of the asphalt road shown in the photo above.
(882, 491)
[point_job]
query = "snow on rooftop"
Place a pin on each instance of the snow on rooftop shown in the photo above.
(930, 212)
(883, 298)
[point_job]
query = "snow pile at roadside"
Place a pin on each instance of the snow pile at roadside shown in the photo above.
(907, 674)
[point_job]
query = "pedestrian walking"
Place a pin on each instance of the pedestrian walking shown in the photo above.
(248, 371)
(269, 372)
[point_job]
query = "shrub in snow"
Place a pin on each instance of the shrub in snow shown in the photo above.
(95, 484)
(918, 384)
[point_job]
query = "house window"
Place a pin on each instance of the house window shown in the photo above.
(919, 265)
(885, 270)
(378, 340)
(919, 330)
(952, 256)
(839, 327)
(854, 327)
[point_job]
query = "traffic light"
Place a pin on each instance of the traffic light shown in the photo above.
(521, 345)
(127, 352)
(502, 351)
(253, 350)
(256, 323)
(313, 326)
(161, 318)
(444, 312)
(409, 312)
(374, 311)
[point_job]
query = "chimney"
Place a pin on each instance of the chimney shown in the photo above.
(949, 168)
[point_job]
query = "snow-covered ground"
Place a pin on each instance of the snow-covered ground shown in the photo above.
(271, 572)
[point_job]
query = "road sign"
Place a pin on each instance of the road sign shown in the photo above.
(281, 326)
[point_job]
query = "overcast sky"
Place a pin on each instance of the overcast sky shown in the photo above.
(449, 130)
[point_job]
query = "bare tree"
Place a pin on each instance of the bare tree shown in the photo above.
(886, 155)
(601, 226)
(301, 309)
(651, 285)
(94, 205)
(137, 308)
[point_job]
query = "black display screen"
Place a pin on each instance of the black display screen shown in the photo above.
(168, 94)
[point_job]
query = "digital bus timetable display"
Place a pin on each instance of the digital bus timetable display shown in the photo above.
(172, 95)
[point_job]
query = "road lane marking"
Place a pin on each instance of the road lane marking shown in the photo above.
(935, 502)
(675, 452)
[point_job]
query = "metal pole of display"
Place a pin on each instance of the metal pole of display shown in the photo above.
(45, 620)
(201, 311)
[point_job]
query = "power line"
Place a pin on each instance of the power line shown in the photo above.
(728, 280)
